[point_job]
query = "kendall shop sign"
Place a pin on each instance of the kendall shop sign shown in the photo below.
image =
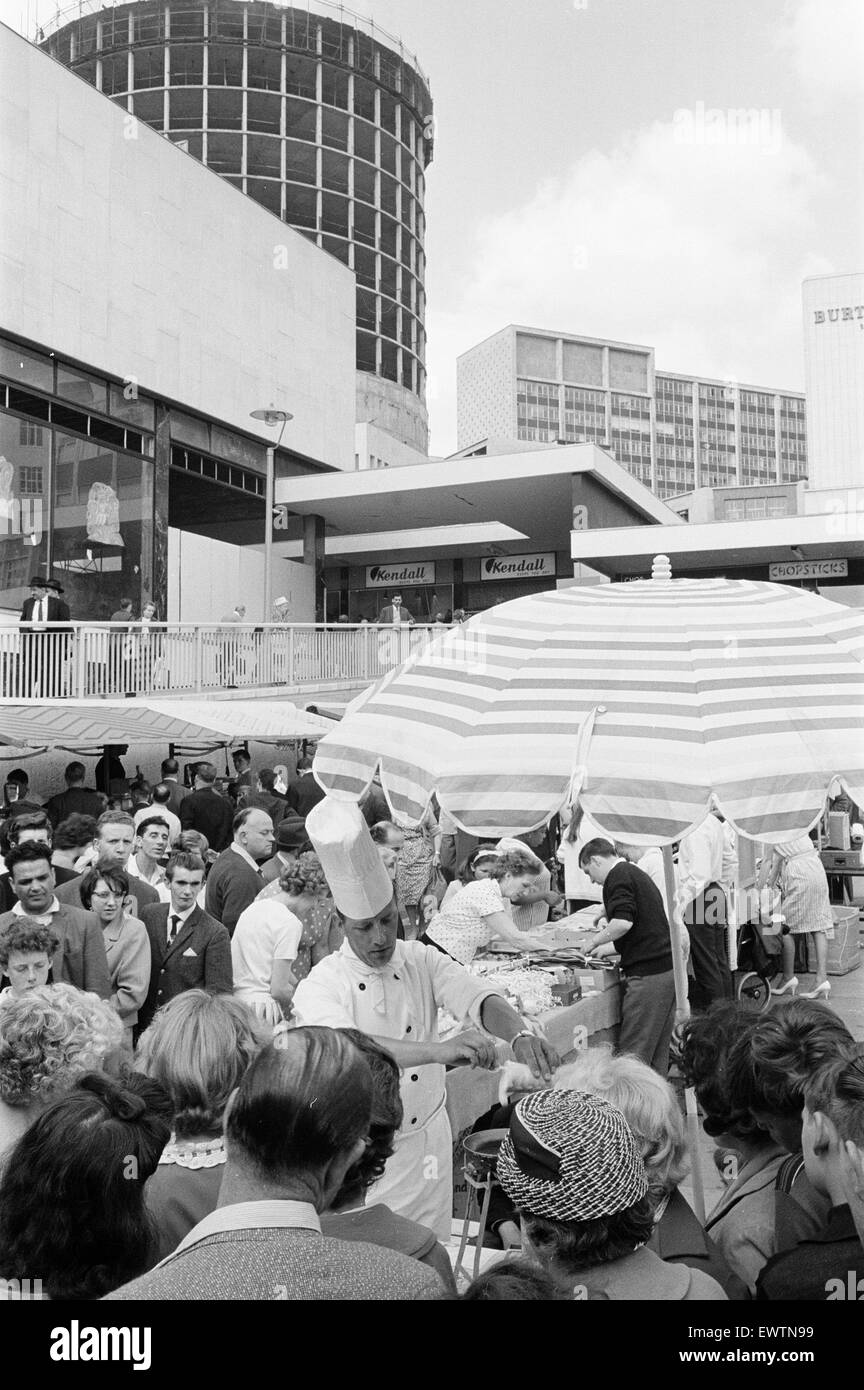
(519, 567)
(391, 576)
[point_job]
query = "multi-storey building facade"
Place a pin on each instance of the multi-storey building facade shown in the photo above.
(316, 115)
(672, 432)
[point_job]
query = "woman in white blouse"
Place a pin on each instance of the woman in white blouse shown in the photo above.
(478, 912)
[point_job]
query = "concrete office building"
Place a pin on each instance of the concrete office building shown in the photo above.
(671, 431)
(317, 115)
(834, 365)
(142, 319)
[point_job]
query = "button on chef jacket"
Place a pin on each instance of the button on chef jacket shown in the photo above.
(401, 1001)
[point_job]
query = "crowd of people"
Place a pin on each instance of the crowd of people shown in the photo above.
(221, 1073)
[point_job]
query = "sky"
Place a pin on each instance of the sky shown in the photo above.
(595, 173)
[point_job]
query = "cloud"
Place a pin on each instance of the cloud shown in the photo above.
(825, 41)
(693, 236)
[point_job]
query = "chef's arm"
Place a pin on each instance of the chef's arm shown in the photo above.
(500, 1019)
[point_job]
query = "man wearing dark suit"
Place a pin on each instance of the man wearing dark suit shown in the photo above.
(80, 958)
(45, 613)
(170, 776)
(235, 879)
(188, 949)
(43, 607)
(394, 613)
(112, 849)
(206, 811)
(76, 800)
(304, 792)
(243, 781)
(24, 829)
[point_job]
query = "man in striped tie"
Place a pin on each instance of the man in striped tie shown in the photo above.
(189, 949)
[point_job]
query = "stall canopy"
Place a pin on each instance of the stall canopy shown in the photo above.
(76, 724)
(644, 701)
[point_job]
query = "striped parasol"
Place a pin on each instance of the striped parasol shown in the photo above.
(645, 699)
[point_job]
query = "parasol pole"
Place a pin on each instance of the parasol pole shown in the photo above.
(682, 1013)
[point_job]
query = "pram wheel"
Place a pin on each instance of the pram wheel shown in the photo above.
(753, 992)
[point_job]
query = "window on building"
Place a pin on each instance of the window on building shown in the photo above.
(149, 107)
(81, 387)
(334, 214)
(26, 366)
(187, 22)
(334, 87)
(366, 346)
(364, 224)
(334, 129)
(301, 76)
(187, 66)
(264, 69)
(225, 153)
(364, 182)
(263, 112)
(365, 268)
(301, 206)
(301, 162)
(335, 171)
(149, 68)
(263, 157)
(186, 110)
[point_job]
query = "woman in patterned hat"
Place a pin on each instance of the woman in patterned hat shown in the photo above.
(571, 1166)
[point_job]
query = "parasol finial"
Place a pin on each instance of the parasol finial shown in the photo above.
(661, 569)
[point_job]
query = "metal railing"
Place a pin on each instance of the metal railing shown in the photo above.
(161, 660)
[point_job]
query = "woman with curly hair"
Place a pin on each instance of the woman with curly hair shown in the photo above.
(72, 1190)
(48, 1038)
(302, 895)
(349, 1218)
(26, 948)
(198, 1048)
(478, 912)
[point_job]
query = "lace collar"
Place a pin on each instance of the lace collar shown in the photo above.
(189, 1153)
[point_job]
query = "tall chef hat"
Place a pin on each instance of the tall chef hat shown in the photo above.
(355, 873)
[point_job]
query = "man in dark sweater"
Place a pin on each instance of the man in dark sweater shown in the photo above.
(235, 879)
(635, 920)
(830, 1266)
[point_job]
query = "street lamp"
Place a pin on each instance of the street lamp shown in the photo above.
(271, 416)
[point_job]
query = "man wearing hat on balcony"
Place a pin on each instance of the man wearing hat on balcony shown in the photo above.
(393, 990)
(43, 610)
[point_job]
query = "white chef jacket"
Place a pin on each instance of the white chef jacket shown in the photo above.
(401, 1001)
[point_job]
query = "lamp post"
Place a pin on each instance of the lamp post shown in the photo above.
(271, 416)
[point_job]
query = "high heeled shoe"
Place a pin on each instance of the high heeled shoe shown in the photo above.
(820, 992)
(789, 985)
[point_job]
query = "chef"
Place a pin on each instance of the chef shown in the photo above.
(392, 990)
